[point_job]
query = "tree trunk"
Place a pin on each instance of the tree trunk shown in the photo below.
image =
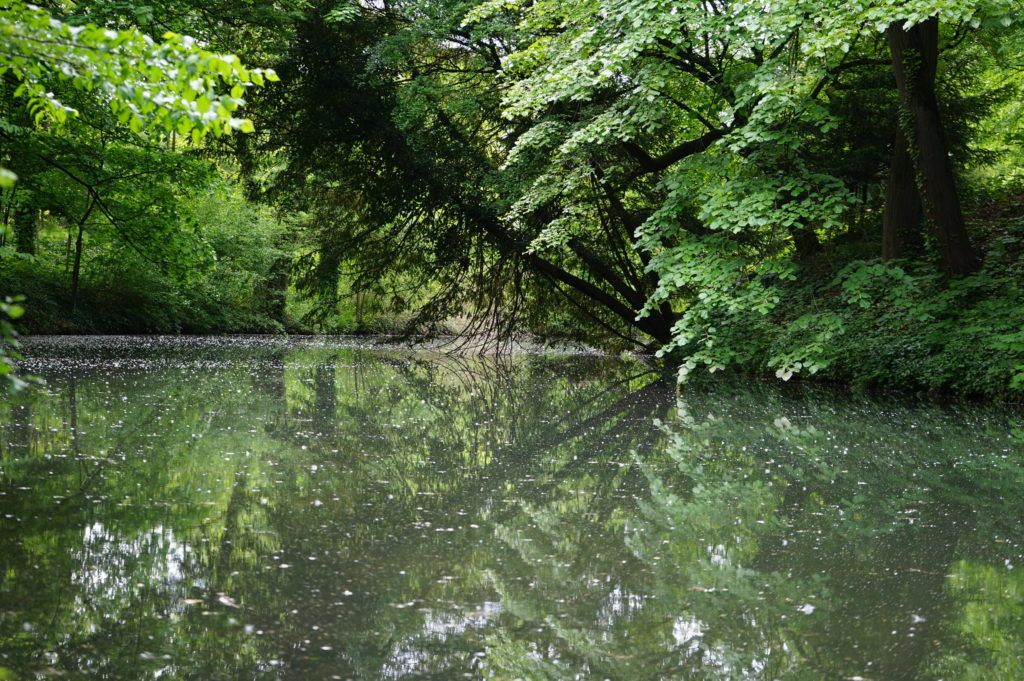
(25, 230)
(902, 202)
(77, 269)
(914, 61)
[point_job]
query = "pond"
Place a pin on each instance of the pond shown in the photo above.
(307, 509)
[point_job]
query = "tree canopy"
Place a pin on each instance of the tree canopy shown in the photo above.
(730, 185)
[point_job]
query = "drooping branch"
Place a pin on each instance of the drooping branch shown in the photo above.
(653, 164)
(654, 325)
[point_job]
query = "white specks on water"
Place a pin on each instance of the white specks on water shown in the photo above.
(414, 438)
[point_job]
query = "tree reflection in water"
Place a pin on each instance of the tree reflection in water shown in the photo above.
(253, 509)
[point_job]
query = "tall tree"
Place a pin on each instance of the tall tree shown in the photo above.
(914, 59)
(914, 55)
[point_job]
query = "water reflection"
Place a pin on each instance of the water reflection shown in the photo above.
(254, 509)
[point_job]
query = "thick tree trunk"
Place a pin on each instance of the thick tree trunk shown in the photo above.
(914, 60)
(902, 202)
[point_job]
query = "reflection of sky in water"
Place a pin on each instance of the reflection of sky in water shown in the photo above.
(618, 604)
(687, 632)
(443, 624)
(111, 567)
(409, 658)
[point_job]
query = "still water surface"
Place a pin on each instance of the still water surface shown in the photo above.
(263, 509)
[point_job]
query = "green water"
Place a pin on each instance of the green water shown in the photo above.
(254, 509)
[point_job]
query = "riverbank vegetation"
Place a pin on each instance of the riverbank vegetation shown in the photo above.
(787, 188)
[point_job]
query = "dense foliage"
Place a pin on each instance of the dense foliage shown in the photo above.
(784, 187)
(86, 114)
